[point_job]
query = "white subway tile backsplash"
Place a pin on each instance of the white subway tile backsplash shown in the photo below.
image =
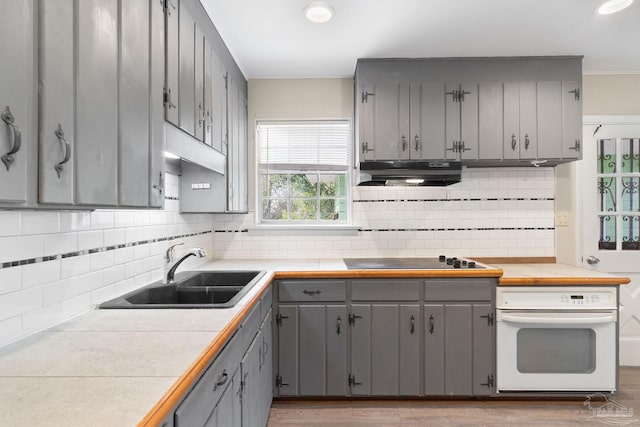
(17, 248)
(75, 221)
(102, 219)
(42, 317)
(10, 223)
(37, 222)
(74, 266)
(62, 243)
(10, 330)
(20, 302)
(40, 273)
(90, 240)
(10, 279)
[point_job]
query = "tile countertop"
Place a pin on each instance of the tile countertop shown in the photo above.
(110, 367)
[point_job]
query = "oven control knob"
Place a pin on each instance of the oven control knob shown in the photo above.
(449, 261)
(442, 258)
(471, 264)
(464, 263)
(456, 264)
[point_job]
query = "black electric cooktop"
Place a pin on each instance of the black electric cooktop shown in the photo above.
(428, 263)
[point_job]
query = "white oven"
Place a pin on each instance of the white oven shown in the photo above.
(556, 339)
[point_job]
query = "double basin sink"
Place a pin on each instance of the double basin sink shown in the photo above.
(192, 289)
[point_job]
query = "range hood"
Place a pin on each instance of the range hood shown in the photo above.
(409, 173)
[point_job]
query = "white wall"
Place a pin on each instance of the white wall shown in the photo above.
(56, 265)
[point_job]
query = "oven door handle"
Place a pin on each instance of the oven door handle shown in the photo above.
(607, 318)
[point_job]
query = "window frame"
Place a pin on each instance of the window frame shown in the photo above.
(345, 171)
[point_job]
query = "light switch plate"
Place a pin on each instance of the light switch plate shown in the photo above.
(562, 219)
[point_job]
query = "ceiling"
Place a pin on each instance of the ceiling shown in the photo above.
(272, 38)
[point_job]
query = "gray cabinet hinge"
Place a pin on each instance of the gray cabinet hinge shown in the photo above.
(226, 80)
(576, 94)
(366, 95)
(489, 318)
(279, 382)
(489, 382)
(352, 381)
(352, 318)
(279, 318)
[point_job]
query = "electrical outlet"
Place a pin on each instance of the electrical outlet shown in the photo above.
(562, 219)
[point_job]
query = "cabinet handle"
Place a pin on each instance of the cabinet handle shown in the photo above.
(209, 121)
(160, 184)
(513, 142)
(338, 325)
(576, 145)
(431, 324)
(168, 101)
(15, 138)
(416, 140)
(200, 115)
(454, 147)
(316, 292)
(222, 379)
(59, 167)
(412, 330)
(526, 141)
(404, 142)
(366, 149)
(461, 147)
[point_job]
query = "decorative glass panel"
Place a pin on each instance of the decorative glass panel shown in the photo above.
(607, 239)
(630, 194)
(630, 234)
(607, 194)
(607, 156)
(630, 155)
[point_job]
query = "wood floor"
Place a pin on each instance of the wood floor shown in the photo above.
(457, 413)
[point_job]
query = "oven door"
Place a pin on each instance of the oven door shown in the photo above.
(556, 351)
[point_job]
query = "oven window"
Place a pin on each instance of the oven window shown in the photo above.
(556, 351)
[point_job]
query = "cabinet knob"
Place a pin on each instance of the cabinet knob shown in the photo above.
(404, 143)
(15, 138)
(513, 142)
(417, 145)
(526, 141)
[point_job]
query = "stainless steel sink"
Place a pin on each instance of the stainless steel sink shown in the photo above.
(192, 289)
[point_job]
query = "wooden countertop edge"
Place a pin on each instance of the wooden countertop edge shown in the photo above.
(345, 274)
(563, 281)
(176, 392)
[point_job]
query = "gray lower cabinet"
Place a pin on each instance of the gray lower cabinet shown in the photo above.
(385, 337)
(256, 378)
(385, 349)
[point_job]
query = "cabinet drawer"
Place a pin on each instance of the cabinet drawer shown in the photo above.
(459, 289)
(250, 326)
(312, 290)
(385, 290)
(199, 403)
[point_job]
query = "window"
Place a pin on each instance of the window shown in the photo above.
(303, 173)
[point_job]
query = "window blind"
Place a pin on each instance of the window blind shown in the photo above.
(304, 144)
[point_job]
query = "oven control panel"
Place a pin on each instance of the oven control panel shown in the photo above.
(558, 298)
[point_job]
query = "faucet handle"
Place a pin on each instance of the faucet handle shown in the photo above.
(168, 256)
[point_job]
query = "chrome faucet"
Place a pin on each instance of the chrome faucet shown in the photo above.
(197, 252)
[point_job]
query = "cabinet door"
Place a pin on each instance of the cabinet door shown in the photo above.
(336, 356)
(414, 128)
(288, 345)
(409, 334)
(384, 349)
(17, 33)
(208, 93)
(432, 139)
(491, 110)
(156, 117)
(199, 84)
(469, 121)
(571, 120)
(452, 121)
(219, 112)
(386, 126)
(483, 349)
(434, 349)
(187, 94)
(250, 367)
(408, 108)
(227, 412)
(360, 383)
(97, 103)
(133, 138)
(265, 390)
(458, 349)
(233, 147)
(511, 132)
(313, 350)
(172, 85)
(366, 119)
(57, 137)
(528, 120)
(549, 120)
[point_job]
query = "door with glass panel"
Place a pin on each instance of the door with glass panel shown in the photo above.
(611, 222)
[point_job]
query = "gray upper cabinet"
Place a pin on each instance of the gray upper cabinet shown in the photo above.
(96, 148)
(18, 146)
(200, 109)
(207, 98)
(237, 147)
(187, 97)
(480, 111)
(134, 108)
(219, 105)
(57, 125)
(101, 103)
(172, 85)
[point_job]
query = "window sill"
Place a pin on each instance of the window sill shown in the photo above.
(303, 230)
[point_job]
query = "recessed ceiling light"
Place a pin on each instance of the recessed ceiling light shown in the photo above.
(319, 12)
(613, 6)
